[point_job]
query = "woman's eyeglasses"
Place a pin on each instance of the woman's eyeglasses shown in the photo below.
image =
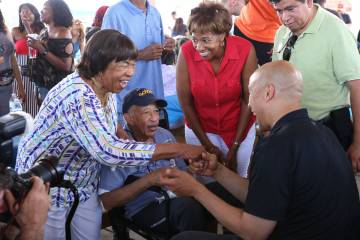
(289, 45)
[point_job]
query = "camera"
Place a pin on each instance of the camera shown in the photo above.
(20, 184)
(11, 125)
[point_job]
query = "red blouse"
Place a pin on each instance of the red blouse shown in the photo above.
(21, 46)
(217, 97)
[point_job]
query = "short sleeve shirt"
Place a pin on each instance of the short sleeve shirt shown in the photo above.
(327, 57)
(143, 28)
(112, 178)
(301, 178)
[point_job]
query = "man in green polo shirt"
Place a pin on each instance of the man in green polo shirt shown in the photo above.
(324, 50)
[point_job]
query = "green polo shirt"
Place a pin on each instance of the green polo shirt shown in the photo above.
(326, 55)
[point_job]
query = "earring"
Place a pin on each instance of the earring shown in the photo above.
(96, 83)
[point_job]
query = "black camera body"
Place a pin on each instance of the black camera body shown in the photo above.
(20, 184)
(11, 125)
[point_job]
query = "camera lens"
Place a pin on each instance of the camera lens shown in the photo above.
(46, 170)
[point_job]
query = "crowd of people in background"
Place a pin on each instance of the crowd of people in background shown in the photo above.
(269, 96)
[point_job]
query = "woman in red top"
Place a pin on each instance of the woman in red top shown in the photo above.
(29, 22)
(212, 83)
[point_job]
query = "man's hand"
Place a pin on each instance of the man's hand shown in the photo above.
(180, 182)
(207, 166)
(169, 44)
(151, 52)
(31, 213)
(156, 177)
(354, 154)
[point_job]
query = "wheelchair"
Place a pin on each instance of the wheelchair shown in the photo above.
(121, 224)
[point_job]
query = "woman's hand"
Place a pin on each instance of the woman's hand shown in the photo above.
(121, 133)
(22, 94)
(27, 24)
(211, 148)
(36, 44)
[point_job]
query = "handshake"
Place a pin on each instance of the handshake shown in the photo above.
(183, 183)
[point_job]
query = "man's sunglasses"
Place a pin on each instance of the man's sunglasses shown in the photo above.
(289, 45)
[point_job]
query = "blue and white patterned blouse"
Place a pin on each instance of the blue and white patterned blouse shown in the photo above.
(73, 126)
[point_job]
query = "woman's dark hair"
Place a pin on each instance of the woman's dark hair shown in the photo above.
(179, 25)
(210, 17)
(61, 13)
(104, 47)
(3, 27)
(37, 25)
(99, 15)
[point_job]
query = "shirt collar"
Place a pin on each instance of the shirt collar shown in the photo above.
(313, 27)
(316, 22)
(289, 117)
(134, 9)
(230, 51)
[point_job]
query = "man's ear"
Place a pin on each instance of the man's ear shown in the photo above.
(127, 118)
(310, 3)
(269, 92)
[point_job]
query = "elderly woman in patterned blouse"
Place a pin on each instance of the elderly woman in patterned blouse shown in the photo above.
(77, 123)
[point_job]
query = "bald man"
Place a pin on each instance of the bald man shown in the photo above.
(300, 184)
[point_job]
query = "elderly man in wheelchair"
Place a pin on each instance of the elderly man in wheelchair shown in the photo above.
(164, 214)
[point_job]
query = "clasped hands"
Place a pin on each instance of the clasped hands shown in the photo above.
(154, 51)
(183, 183)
